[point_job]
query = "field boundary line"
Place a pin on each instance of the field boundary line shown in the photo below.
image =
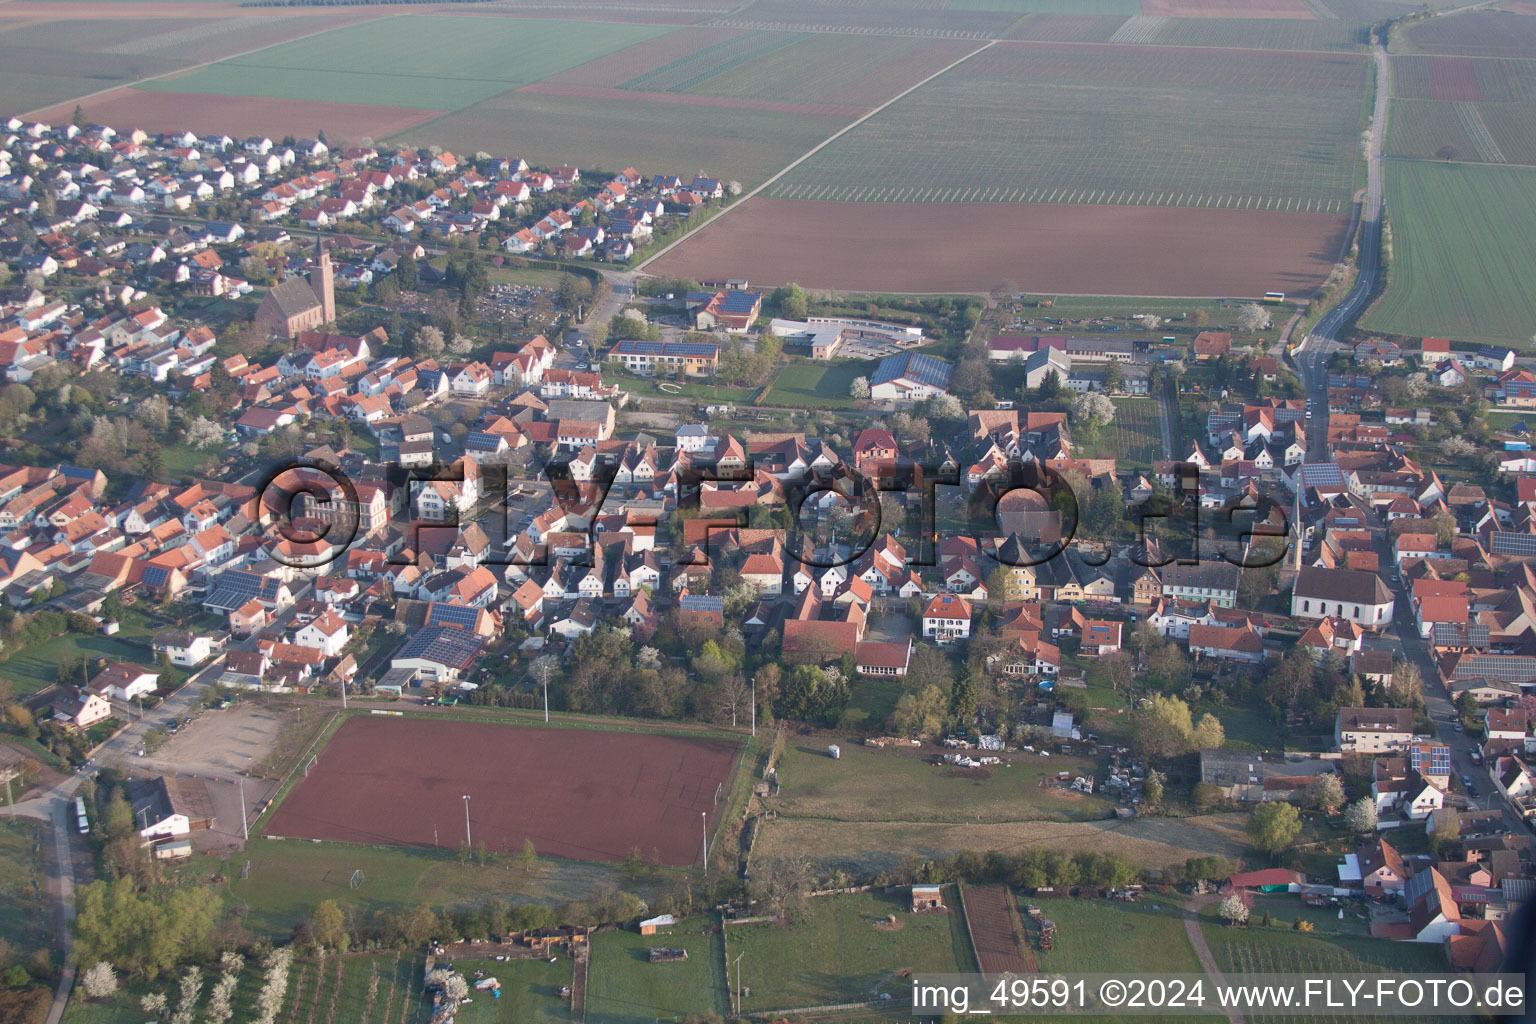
(207, 63)
(850, 126)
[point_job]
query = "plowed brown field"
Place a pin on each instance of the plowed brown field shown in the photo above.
(970, 247)
(240, 115)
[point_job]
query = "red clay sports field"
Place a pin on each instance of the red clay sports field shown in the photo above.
(576, 793)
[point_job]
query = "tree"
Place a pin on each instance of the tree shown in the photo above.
(1050, 385)
(1152, 788)
(859, 389)
(920, 715)
(1325, 792)
(100, 981)
(1093, 407)
(428, 343)
(1233, 910)
(1119, 669)
(1252, 317)
(1466, 705)
(203, 432)
(1447, 830)
(529, 857)
(1274, 826)
(1360, 818)
(405, 272)
(328, 927)
(791, 301)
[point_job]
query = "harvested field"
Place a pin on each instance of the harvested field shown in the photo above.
(1104, 250)
(1066, 28)
(1264, 33)
(1476, 34)
(49, 62)
(616, 68)
(810, 69)
(797, 15)
(684, 100)
(1228, 9)
(1001, 945)
(577, 794)
(747, 145)
(241, 115)
(1134, 125)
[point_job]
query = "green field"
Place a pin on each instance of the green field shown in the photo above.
(858, 786)
(426, 63)
(1464, 249)
(1102, 937)
(624, 987)
(23, 919)
(816, 385)
(288, 878)
(530, 992)
(40, 665)
(834, 953)
(1107, 125)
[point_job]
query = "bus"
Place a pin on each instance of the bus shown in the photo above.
(1274, 298)
(80, 818)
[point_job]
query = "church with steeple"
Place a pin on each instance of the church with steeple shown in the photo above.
(301, 303)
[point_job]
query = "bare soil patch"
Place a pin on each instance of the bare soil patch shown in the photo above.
(574, 793)
(998, 931)
(156, 111)
(968, 247)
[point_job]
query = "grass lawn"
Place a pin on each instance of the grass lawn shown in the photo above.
(624, 987)
(1247, 728)
(1464, 249)
(1505, 420)
(859, 785)
(876, 696)
(530, 992)
(183, 461)
(1285, 909)
(701, 389)
(39, 665)
(287, 878)
(23, 916)
(1103, 936)
(836, 954)
(817, 385)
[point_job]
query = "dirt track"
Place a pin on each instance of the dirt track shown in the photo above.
(970, 247)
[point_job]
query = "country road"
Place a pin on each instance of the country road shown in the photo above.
(1312, 355)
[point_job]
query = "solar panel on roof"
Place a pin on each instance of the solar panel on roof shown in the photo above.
(156, 575)
(1510, 668)
(452, 615)
(1508, 543)
(739, 302)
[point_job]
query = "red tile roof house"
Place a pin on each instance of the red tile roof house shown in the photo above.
(947, 617)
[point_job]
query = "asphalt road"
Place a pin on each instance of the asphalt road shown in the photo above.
(1312, 356)
(1312, 360)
